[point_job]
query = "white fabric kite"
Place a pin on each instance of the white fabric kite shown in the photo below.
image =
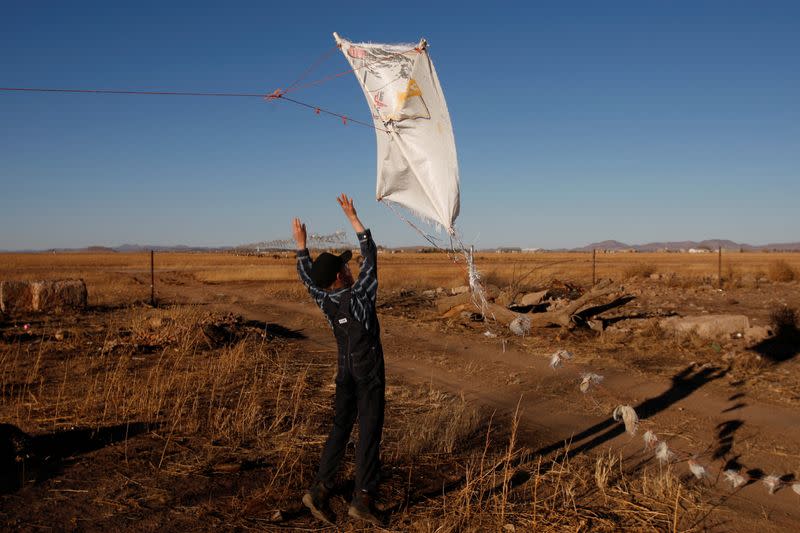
(417, 163)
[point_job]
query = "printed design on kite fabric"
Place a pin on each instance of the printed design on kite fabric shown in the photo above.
(386, 76)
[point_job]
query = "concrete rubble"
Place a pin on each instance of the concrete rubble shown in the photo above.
(42, 296)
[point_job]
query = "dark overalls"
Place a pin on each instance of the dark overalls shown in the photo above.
(360, 384)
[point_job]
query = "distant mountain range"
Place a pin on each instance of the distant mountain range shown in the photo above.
(174, 248)
(676, 246)
(611, 245)
(129, 248)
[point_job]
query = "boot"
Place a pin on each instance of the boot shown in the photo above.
(317, 500)
(362, 508)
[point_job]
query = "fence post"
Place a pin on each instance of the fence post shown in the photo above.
(152, 281)
(594, 266)
(719, 267)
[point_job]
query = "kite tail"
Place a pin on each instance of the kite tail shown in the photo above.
(475, 285)
(456, 250)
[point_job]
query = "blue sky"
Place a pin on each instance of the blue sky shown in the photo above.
(574, 121)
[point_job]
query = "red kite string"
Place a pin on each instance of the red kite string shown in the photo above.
(276, 95)
(273, 97)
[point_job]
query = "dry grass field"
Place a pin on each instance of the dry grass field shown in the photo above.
(115, 278)
(209, 411)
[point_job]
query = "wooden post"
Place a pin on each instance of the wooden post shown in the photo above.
(719, 267)
(152, 281)
(594, 266)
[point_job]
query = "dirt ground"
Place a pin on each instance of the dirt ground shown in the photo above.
(210, 410)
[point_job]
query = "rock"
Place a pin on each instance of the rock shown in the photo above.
(595, 325)
(459, 290)
(707, 326)
(430, 293)
(533, 298)
(656, 276)
(755, 334)
(15, 296)
(58, 295)
(61, 334)
(560, 303)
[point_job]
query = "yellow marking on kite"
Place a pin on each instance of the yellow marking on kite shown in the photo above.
(411, 90)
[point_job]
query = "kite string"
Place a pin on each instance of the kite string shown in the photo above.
(321, 59)
(398, 214)
(318, 110)
(127, 92)
(277, 94)
(473, 275)
(273, 97)
(294, 87)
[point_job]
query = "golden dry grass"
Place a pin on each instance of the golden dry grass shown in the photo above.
(112, 276)
(212, 408)
(255, 397)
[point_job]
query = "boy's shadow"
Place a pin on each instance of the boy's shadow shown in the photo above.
(684, 383)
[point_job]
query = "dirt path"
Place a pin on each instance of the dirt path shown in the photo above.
(699, 410)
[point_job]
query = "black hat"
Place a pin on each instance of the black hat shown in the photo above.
(326, 266)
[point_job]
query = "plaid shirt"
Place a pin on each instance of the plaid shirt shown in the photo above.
(365, 289)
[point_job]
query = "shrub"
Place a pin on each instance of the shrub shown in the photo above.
(780, 270)
(638, 270)
(783, 318)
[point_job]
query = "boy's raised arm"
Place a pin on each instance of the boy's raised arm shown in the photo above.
(350, 212)
(304, 262)
(368, 277)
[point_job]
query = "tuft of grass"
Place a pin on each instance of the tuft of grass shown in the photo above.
(446, 424)
(780, 270)
(638, 270)
(784, 318)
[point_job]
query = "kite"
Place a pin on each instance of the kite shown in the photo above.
(416, 148)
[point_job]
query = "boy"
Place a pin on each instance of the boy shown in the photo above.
(349, 306)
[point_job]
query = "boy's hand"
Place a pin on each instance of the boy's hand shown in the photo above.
(347, 206)
(299, 233)
(350, 212)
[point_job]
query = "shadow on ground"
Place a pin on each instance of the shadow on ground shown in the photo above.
(684, 383)
(26, 457)
(785, 345)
